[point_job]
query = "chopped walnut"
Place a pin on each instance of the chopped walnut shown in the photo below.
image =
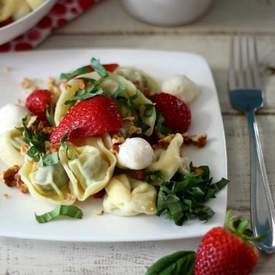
(52, 148)
(129, 118)
(12, 179)
(9, 176)
(28, 83)
(53, 87)
(118, 139)
(44, 128)
(134, 130)
(164, 142)
(197, 140)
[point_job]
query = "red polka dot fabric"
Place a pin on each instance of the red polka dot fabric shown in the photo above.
(63, 12)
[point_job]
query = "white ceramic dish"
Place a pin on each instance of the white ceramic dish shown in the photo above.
(17, 211)
(167, 12)
(25, 23)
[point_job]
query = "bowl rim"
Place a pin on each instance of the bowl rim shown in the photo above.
(26, 16)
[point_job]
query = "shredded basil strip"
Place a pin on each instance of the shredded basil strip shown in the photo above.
(148, 109)
(71, 211)
(78, 71)
(184, 197)
(178, 263)
(160, 127)
(50, 116)
(50, 159)
(34, 139)
(99, 68)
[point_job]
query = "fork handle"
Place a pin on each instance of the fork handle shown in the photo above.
(262, 205)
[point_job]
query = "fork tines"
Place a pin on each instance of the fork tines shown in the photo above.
(244, 70)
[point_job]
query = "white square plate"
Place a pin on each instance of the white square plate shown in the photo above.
(17, 211)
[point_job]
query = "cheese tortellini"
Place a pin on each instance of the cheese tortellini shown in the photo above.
(143, 81)
(129, 197)
(127, 89)
(68, 91)
(89, 167)
(49, 183)
(170, 160)
(16, 9)
(10, 147)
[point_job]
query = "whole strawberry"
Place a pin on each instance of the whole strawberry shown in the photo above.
(37, 103)
(92, 117)
(227, 250)
(176, 113)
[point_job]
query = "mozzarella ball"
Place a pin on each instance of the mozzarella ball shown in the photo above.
(182, 87)
(135, 153)
(11, 116)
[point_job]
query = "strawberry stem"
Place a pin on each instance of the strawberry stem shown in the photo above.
(239, 227)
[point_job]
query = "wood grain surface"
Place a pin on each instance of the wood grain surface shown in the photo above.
(107, 25)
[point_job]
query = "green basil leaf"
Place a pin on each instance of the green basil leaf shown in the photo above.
(71, 211)
(50, 159)
(184, 197)
(50, 116)
(99, 68)
(159, 126)
(148, 110)
(84, 94)
(34, 153)
(178, 263)
(78, 71)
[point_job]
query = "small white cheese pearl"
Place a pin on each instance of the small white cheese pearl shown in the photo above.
(135, 153)
(11, 116)
(182, 87)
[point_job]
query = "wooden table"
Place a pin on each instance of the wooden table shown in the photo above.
(107, 25)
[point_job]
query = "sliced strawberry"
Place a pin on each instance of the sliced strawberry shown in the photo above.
(37, 103)
(176, 113)
(93, 117)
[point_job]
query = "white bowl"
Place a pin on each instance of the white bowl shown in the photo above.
(167, 12)
(20, 26)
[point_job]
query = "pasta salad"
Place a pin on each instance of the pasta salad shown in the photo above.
(113, 133)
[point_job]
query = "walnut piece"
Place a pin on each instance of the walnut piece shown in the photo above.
(12, 179)
(28, 83)
(197, 140)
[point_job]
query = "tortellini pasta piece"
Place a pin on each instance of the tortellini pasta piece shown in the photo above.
(10, 147)
(170, 160)
(114, 83)
(129, 197)
(89, 167)
(7, 8)
(49, 183)
(17, 8)
(34, 4)
(68, 90)
(22, 9)
(143, 81)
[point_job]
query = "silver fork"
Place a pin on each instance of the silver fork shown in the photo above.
(246, 96)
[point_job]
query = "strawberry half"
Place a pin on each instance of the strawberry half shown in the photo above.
(176, 113)
(227, 250)
(93, 117)
(37, 103)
